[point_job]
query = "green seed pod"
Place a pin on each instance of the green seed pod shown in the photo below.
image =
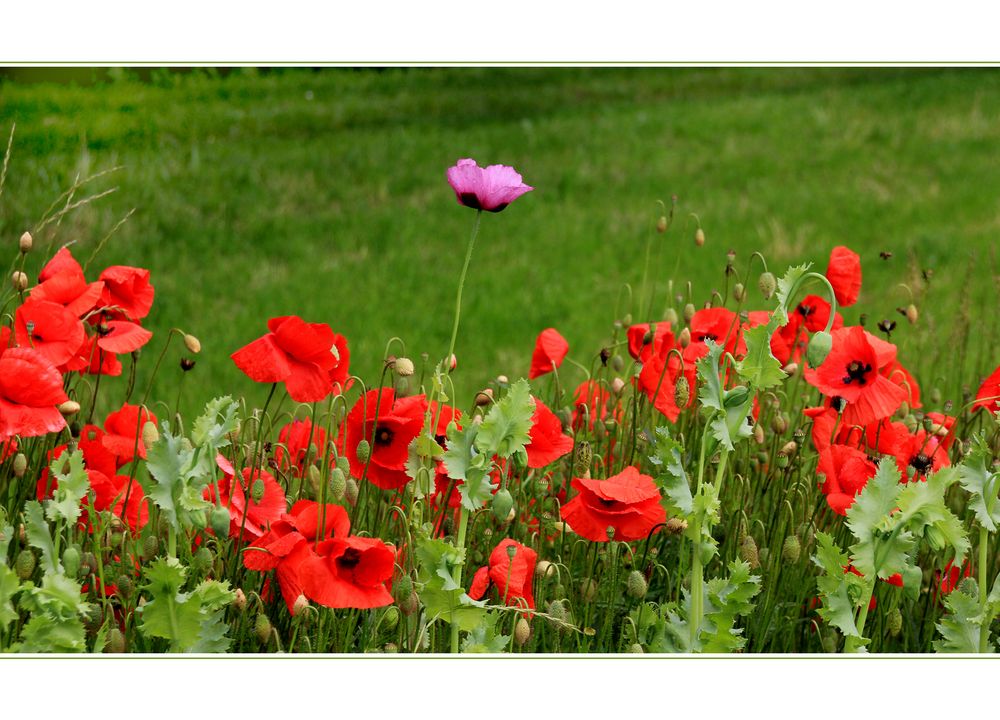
(748, 552)
(791, 549)
(402, 589)
(390, 619)
(151, 543)
(202, 560)
(739, 292)
(522, 632)
(71, 561)
(364, 451)
(338, 483)
(969, 587)
(390, 648)
(24, 565)
(218, 520)
(20, 465)
(262, 628)
(767, 284)
(351, 492)
(636, 649)
(125, 585)
(894, 621)
(688, 312)
(635, 585)
(682, 392)
(115, 642)
(819, 348)
(503, 503)
(782, 461)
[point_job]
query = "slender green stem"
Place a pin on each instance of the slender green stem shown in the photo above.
(852, 644)
(463, 526)
(461, 286)
(984, 629)
(697, 571)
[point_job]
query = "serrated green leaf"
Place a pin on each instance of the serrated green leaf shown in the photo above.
(727, 600)
(673, 477)
(838, 602)
(978, 479)
(759, 368)
(959, 628)
(217, 421)
(71, 487)
(9, 587)
(786, 286)
(442, 598)
(710, 390)
(192, 622)
(486, 638)
(505, 428)
(55, 625)
(39, 536)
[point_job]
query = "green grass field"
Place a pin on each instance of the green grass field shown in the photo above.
(323, 194)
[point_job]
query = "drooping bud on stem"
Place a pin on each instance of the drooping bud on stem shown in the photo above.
(25, 243)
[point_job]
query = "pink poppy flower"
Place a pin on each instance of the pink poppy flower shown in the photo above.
(491, 188)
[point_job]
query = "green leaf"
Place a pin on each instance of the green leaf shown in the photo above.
(192, 622)
(759, 368)
(55, 625)
(215, 424)
(39, 536)
(673, 478)
(710, 392)
(786, 286)
(728, 599)
(923, 510)
(838, 590)
(485, 637)
(9, 587)
(505, 428)
(441, 596)
(464, 461)
(978, 479)
(178, 475)
(71, 488)
(960, 627)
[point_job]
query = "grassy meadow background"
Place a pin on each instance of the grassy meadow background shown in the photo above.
(322, 193)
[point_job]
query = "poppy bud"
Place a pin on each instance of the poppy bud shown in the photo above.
(390, 619)
(735, 397)
(557, 611)
(344, 465)
(68, 408)
(584, 456)
(790, 369)
(300, 604)
(911, 313)
(20, 465)
(338, 483)
(71, 561)
(151, 543)
(789, 448)
(502, 380)
(911, 422)
(617, 363)
(25, 243)
(202, 560)
(748, 552)
(767, 284)
(894, 621)
(404, 367)
(262, 628)
(544, 569)
(218, 520)
(635, 585)
(699, 237)
(115, 642)
(684, 339)
(682, 392)
(502, 505)
(758, 434)
(730, 258)
(627, 319)
(484, 397)
(150, 435)
(670, 316)
(192, 343)
(790, 550)
(688, 314)
(522, 632)
(935, 538)
(661, 224)
(125, 586)
(402, 589)
(588, 589)
(257, 491)
(675, 526)
(24, 564)
(739, 292)
(19, 281)
(779, 423)
(969, 587)
(453, 362)
(819, 347)
(364, 451)
(636, 649)
(315, 479)
(617, 385)
(411, 605)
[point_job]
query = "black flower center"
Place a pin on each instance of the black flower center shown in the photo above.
(383, 436)
(350, 559)
(805, 310)
(857, 371)
(470, 199)
(921, 463)
(702, 337)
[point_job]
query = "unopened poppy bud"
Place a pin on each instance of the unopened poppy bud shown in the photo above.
(969, 586)
(404, 367)
(661, 224)
(789, 448)
(819, 347)
(25, 243)
(151, 543)
(684, 339)
(71, 561)
(676, 526)
(315, 479)
(115, 642)
(544, 569)
(635, 585)
(758, 434)
(300, 604)
(636, 649)
(150, 435)
(218, 520)
(338, 483)
(689, 313)
(779, 423)
(748, 552)
(911, 423)
(484, 397)
(24, 564)
(699, 237)
(617, 363)
(588, 589)
(262, 628)
(364, 451)
(935, 537)
(402, 589)
(730, 258)
(502, 504)
(202, 559)
(791, 549)
(125, 585)
(19, 281)
(192, 343)
(453, 362)
(344, 465)
(739, 292)
(894, 622)
(390, 619)
(670, 316)
(20, 465)
(682, 392)
(411, 605)
(239, 599)
(502, 380)
(351, 493)
(556, 612)
(522, 632)
(790, 369)
(767, 284)
(911, 313)
(617, 385)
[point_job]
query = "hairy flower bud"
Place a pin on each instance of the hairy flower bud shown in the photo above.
(351, 492)
(894, 622)
(588, 589)
(661, 224)
(739, 292)
(338, 483)
(25, 243)
(150, 434)
(676, 526)
(636, 649)
(617, 384)
(239, 600)
(779, 423)
(20, 465)
(192, 343)
(218, 520)
(262, 628)
(364, 451)
(404, 367)
(71, 561)
(115, 642)
(411, 605)
(791, 549)
(699, 237)
(484, 397)
(257, 490)
(202, 560)
(635, 585)
(522, 632)
(19, 281)
(670, 316)
(748, 552)
(502, 504)
(24, 564)
(789, 448)
(767, 284)
(912, 314)
(682, 392)
(819, 347)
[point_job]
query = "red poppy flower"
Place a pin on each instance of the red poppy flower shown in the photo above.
(943, 427)
(548, 443)
(389, 425)
(289, 542)
(639, 348)
(844, 274)
(93, 360)
(592, 401)
(953, 575)
(809, 316)
(30, 390)
(66, 285)
(297, 353)
(340, 374)
(629, 502)
(122, 336)
(988, 396)
(513, 578)
(898, 374)
(491, 188)
(123, 433)
(295, 440)
(851, 372)
(721, 326)
(127, 289)
(917, 454)
(550, 349)
(658, 380)
(61, 261)
(259, 514)
(50, 329)
(349, 572)
(846, 471)
(445, 414)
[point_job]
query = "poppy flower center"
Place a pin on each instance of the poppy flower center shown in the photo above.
(805, 310)
(702, 337)
(857, 371)
(607, 503)
(921, 463)
(470, 199)
(383, 436)
(350, 559)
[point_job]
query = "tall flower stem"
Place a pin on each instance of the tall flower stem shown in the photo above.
(461, 287)
(463, 526)
(984, 629)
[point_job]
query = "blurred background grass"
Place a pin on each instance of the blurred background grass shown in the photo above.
(322, 193)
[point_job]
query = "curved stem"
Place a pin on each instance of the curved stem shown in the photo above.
(461, 286)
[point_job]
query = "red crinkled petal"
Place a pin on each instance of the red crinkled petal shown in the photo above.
(28, 378)
(125, 337)
(548, 443)
(306, 342)
(28, 421)
(263, 361)
(550, 349)
(844, 274)
(307, 382)
(128, 288)
(61, 261)
(55, 331)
